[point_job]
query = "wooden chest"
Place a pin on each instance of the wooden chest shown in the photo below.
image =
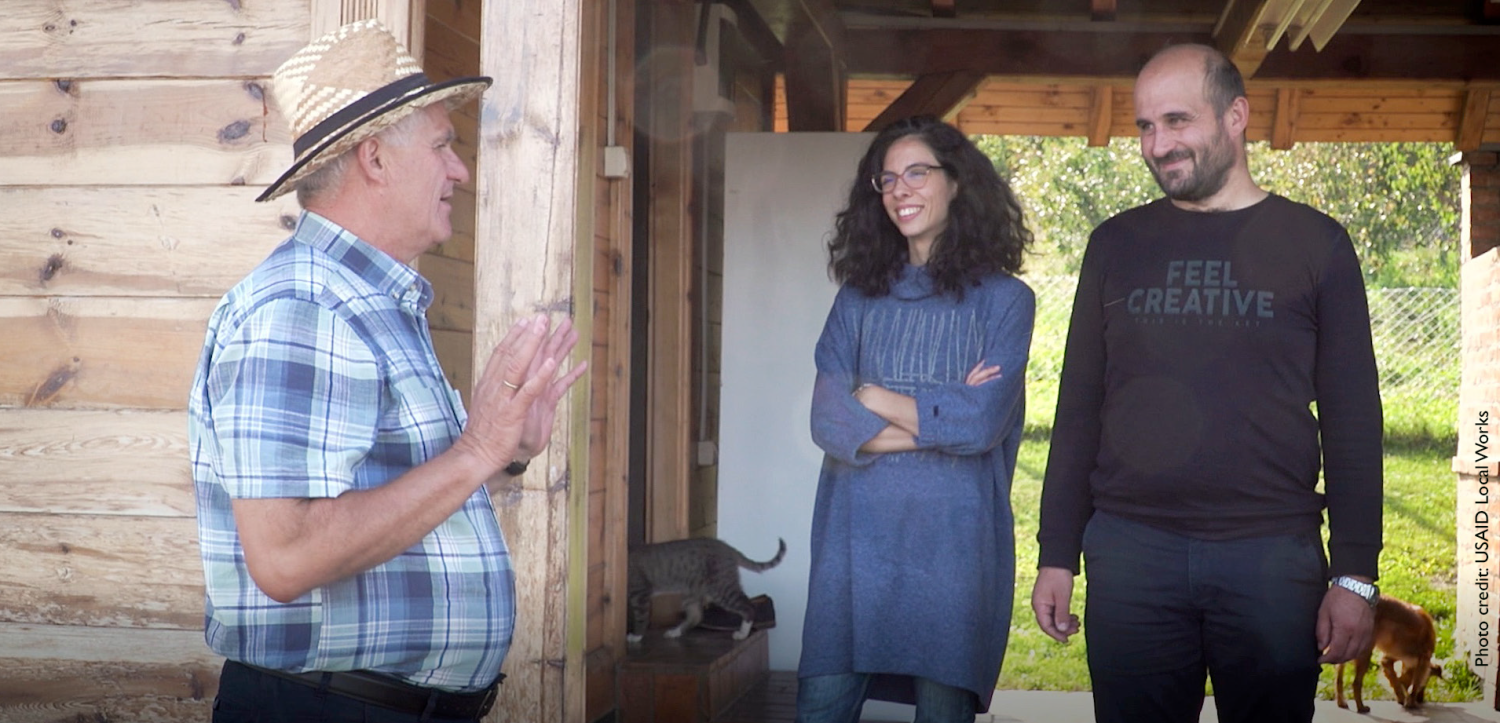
(692, 679)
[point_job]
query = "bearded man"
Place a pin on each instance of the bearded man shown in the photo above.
(1218, 357)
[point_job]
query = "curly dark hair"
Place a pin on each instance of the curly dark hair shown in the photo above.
(985, 235)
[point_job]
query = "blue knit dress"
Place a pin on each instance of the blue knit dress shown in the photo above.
(913, 553)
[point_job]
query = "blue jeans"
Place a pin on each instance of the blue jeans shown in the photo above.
(1162, 610)
(839, 698)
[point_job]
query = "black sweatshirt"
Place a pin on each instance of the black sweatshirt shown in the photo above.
(1198, 343)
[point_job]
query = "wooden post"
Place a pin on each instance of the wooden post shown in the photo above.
(1471, 123)
(672, 259)
(1101, 111)
(1284, 125)
(524, 262)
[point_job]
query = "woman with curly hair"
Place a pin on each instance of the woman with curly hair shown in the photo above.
(918, 405)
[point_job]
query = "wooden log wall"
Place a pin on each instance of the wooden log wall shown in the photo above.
(1307, 112)
(134, 136)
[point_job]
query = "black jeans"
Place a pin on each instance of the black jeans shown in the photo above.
(1163, 609)
(247, 695)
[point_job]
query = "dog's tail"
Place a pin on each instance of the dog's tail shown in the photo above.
(754, 566)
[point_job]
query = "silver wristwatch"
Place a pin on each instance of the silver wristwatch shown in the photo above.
(1366, 590)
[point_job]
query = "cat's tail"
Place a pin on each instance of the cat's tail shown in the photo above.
(754, 566)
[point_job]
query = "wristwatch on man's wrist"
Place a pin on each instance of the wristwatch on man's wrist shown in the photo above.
(1367, 590)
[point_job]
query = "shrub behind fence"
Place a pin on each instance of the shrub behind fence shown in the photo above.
(1415, 331)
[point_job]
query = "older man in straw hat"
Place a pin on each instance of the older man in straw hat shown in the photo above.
(355, 569)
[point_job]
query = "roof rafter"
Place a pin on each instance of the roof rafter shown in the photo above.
(1367, 53)
(937, 94)
(1241, 36)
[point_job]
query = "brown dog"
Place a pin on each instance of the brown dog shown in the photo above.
(1405, 634)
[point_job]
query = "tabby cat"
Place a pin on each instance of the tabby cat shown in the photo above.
(704, 569)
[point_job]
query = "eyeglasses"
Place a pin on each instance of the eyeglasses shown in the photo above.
(915, 176)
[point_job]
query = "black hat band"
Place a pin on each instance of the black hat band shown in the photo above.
(359, 108)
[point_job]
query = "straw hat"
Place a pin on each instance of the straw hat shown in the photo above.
(347, 86)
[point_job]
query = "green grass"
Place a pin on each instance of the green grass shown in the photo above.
(1418, 564)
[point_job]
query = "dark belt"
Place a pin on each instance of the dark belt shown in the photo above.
(392, 693)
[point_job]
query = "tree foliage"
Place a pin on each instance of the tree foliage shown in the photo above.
(1400, 201)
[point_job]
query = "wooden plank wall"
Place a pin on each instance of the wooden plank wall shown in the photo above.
(133, 137)
(1304, 113)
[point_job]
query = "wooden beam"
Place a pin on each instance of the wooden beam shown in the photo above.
(524, 263)
(814, 87)
(99, 352)
(48, 39)
(137, 241)
(1321, 27)
(671, 260)
(1081, 51)
(92, 570)
(815, 69)
(1471, 123)
(1102, 10)
(95, 463)
(755, 31)
(107, 673)
(613, 271)
(1101, 108)
(944, 9)
(1284, 127)
(1240, 36)
(114, 132)
(940, 94)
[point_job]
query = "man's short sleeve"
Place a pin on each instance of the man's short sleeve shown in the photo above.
(294, 394)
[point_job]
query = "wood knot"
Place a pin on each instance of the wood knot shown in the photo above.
(234, 131)
(63, 85)
(288, 221)
(59, 125)
(54, 264)
(58, 233)
(255, 90)
(47, 390)
(239, 39)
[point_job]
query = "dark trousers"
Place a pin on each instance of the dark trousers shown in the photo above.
(1162, 610)
(247, 695)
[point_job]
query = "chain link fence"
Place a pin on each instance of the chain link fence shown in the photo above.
(1415, 330)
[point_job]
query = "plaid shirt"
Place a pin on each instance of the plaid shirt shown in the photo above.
(318, 377)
